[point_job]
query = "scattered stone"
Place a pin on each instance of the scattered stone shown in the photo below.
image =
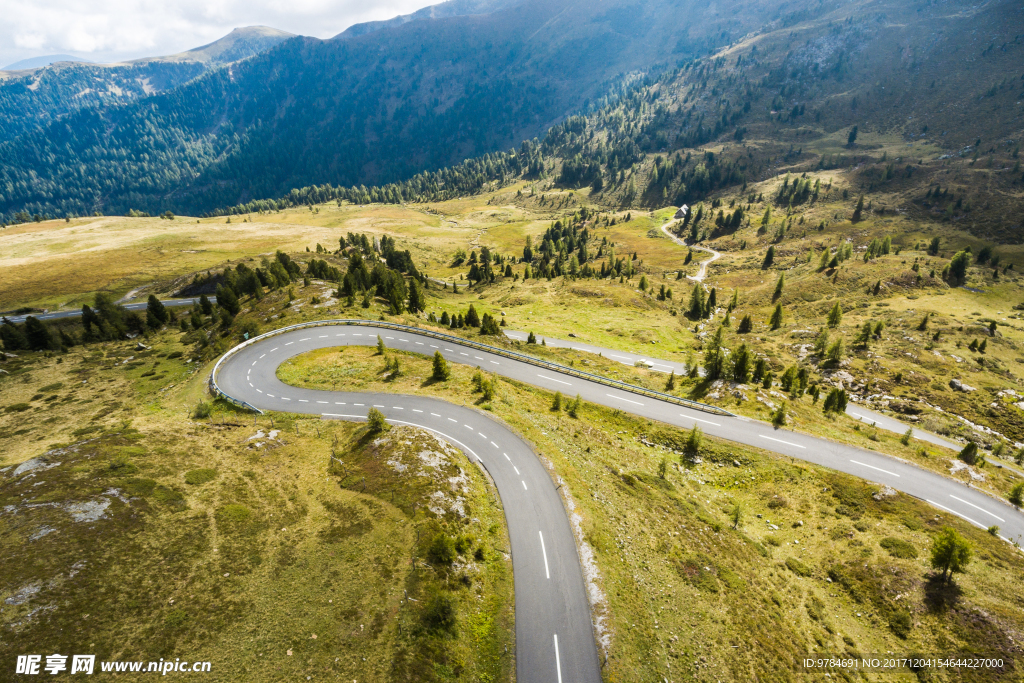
(139, 346)
(33, 465)
(23, 594)
(885, 492)
(88, 511)
(957, 385)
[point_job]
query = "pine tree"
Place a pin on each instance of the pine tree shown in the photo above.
(697, 306)
(746, 325)
(951, 553)
(741, 362)
(859, 210)
(13, 337)
(381, 349)
(714, 358)
(531, 339)
(778, 287)
(417, 301)
(154, 306)
(776, 319)
(671, 383)
(205, 305)
(472, 317)
(835, 316)
(769, 257)
(38, 335)
(376, 422)
(442, 371)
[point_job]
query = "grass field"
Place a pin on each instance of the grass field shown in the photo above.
(136, 532)
(809, 569)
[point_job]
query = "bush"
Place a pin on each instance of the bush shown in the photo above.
(203, 410)
(200, 476)
(901, 623)
(899, 548)
(442, 371)
(798, 567)
(439, 613)
(441, 550)
(1017, 494)
(969, 454)
(376, 421)
(694, 441)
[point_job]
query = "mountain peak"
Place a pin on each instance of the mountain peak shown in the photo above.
(242, 42)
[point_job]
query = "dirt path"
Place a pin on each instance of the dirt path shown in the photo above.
(703, 270)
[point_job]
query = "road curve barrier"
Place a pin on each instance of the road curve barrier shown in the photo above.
(512, 355)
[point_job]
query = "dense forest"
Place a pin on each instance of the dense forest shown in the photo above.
(368, 109)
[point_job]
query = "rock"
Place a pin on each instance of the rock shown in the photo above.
(904, 408)
(139, 346)
(957, 385)
(885, 492)
(736, 463)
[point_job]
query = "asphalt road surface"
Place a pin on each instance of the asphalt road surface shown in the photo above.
(854, 410)
(77, 312)
(554, 632)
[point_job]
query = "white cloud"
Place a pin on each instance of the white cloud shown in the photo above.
(113, 30)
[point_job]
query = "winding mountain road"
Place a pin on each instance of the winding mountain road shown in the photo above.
(77, 312)
(554, 632)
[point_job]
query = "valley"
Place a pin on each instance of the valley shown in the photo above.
(521, 341)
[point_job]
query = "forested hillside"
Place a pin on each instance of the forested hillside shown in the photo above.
(360, 109)
(32, 98)
(819, 94)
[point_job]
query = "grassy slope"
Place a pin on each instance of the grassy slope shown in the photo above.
(687, 596)
(269, 569)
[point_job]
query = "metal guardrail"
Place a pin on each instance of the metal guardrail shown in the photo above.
(383, 324)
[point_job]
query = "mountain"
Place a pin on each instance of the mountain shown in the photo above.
(38, 94)
(359, 109)
(46, 60)
(879, 102)
(241, 43)
(377, 105)
(452, 8)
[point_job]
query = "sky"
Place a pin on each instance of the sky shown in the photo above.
(114, 30)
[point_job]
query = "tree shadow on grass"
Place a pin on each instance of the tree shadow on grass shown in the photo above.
(940, 595)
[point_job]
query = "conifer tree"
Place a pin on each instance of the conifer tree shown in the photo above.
(835, 316)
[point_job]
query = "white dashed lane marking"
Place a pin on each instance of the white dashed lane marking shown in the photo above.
(780, 441)
(516, 469)
(700, 420)
(619, 398)
(874, 468)
(552, 379)
(524, 487)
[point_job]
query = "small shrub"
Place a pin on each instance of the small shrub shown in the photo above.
(798, 567)
(441, 550)
(899, 548)
(376, 422)
(901, 623)
(439, 613)
(203, 410)
(1017, 494)
(200, 476)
